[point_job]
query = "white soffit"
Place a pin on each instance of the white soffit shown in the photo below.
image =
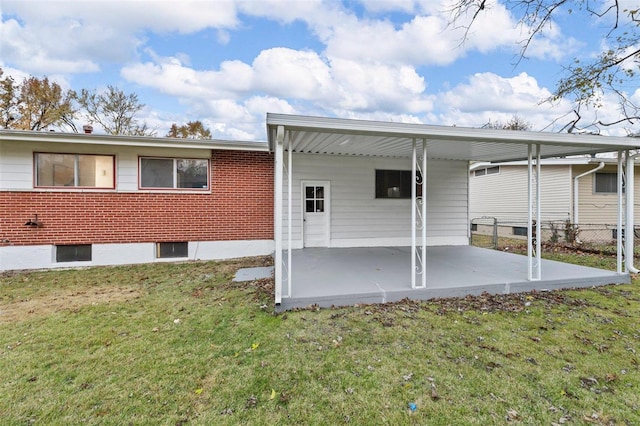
(334, 136)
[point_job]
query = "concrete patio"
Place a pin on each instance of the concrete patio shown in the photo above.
(345, 276)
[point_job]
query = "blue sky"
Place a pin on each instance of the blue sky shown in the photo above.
(228, 63)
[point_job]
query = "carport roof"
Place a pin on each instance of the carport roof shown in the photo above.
(336, 136)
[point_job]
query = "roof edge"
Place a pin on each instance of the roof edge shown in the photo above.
(146, 141)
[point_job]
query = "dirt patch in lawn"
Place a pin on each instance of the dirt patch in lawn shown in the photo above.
(47, 304)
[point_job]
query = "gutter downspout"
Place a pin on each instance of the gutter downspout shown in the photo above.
(629, 225)
(575, 191)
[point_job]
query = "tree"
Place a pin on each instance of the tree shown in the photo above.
(515, 123)
(191, 130)
(35, 104)
(115, 111)
(9, 91)
(585, 82)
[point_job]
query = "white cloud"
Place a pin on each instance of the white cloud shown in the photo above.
(292, 73)
(491, 92)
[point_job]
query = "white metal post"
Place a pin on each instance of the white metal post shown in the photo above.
(538, 271)
(529, 214)
(413, 214)
(620, 186)
(289, 213)
(424, 213)
(629, 225)
(278, 214)
(533, 268)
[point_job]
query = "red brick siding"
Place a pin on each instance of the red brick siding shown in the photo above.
(239, 207)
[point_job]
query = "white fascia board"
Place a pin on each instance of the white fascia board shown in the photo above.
(364, 127)
(146, 141)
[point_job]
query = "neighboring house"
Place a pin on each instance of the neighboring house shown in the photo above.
(579, 191)
(89, 199)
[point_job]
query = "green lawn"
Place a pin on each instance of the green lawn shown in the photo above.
(181, 344)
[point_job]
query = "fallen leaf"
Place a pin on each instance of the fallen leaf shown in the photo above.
(198, 391)
(512, 415)
(273, 394)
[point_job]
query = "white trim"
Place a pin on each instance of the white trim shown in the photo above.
(43, 256)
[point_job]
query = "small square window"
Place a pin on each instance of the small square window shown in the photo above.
(173, 249)
(519, 230)
(606, 183)
(396, 184)
(73, 253)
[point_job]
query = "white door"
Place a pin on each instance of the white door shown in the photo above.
(315, 217)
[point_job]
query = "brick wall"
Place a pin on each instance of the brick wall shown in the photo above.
(239, 207)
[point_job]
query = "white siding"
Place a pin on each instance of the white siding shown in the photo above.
(358, 218)
(16, 161)
(601, 208)
(505, 195)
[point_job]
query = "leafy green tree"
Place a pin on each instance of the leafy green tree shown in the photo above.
(115, 111)
(585, 81)
(191, 130)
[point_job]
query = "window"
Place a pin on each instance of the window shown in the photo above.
(74, 170)
(73, 253)
(314, 199)
(395, 184)
(494, 170)
(474, 227)
(519, 230)
(606, 183)
(614, 233)
(174, 173)
(174, 249)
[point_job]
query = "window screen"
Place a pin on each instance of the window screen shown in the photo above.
(172, 249)
(73, 253)
(606, 183)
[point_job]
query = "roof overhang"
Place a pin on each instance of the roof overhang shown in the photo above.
(336, 136)
(139, 141)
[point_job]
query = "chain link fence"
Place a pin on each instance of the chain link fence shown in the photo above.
(491, 232)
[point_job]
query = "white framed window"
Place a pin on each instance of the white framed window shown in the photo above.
(493, 170)
(174, 173)
(606, 183)
(74, 170)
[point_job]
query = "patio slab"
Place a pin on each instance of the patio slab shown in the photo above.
(345, 276)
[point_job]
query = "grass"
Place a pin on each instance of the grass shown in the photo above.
(179, 344)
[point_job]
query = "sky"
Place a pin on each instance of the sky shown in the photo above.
(229, 62)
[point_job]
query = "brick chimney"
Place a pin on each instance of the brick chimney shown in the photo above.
(88, 129)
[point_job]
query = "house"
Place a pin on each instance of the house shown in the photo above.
(353, 211)
(87, 199)
(578, 191)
